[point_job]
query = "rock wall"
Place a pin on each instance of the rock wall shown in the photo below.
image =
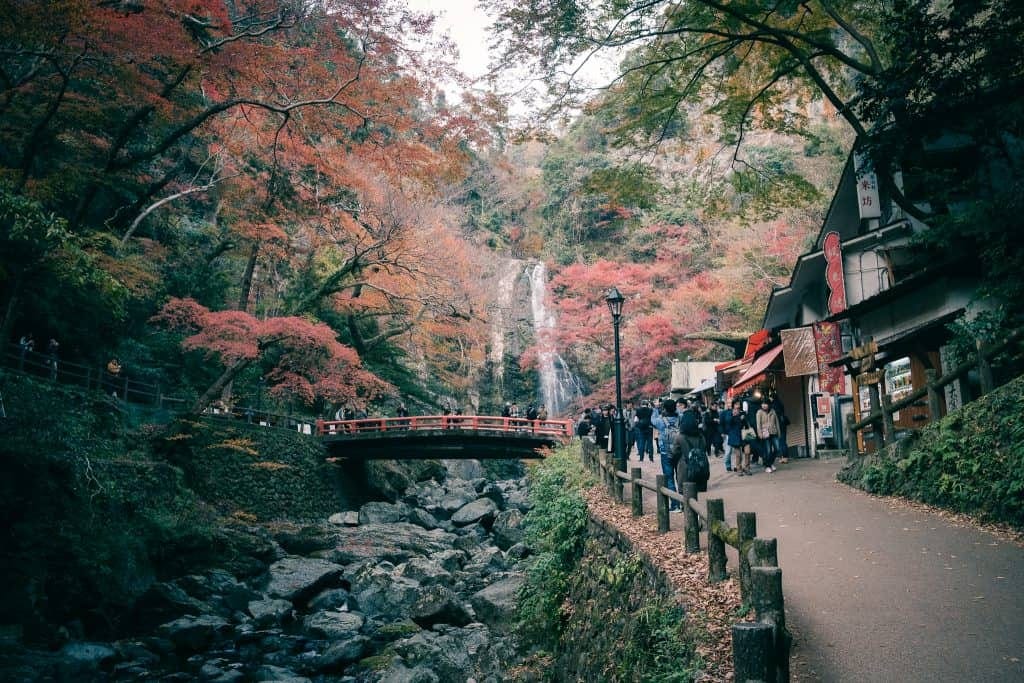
(261, 474)
(621, 606)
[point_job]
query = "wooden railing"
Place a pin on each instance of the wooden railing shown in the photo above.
(934, 384)
(760, 647)
(561, 429)
(89, 378)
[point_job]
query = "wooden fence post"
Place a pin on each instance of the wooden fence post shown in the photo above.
(746, 525)
(636, 491)
(619, 485)
(984, 371)
(765, 552)
(766, 583)
(691, 522)
(752, 651)
(852, 456)
(716, 546)
(888, 428)
(934, 400)
(659, 483)
(876, 406)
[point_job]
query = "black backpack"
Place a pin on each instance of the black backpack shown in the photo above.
(698, 469)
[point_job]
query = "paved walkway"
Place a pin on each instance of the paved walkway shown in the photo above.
(876, 591)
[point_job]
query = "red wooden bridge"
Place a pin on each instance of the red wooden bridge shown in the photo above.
(441, 436)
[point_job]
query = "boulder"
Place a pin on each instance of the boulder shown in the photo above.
(519, 551)
(495, 605)
(334, 598)
(425, 571)
(164, 602)
(347, 518)
(333, 625)
(269, 672)
(450, 560)
(298, 578)
(392, 542)
(192, 634)
(270, 612)
(81, 661)
(399, 673)
(342, 653)
(422, 518)
(305, 540)
(507, 528)
(494, 492)
(439, 605)
(381, 513)
(464, 469)
(481, 510)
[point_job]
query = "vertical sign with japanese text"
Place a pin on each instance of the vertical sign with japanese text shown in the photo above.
(868, 203)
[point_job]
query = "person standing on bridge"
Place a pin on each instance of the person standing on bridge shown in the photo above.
(542, 413)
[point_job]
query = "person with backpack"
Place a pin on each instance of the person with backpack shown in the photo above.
(690, 460)
(583, 427)
(666, 421)
(644, 431)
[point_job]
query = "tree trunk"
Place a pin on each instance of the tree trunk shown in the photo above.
(218, 386)
(250, 268)
(11, 311)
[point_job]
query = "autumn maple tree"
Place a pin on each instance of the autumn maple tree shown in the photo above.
(272, 159)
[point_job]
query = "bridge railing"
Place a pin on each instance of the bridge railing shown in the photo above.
(473, 423)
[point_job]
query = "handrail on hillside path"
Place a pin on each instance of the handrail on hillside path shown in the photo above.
(933, 385)
(761, 647)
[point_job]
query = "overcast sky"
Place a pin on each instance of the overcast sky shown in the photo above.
(467, 26)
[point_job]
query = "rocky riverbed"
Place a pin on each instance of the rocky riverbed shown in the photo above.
(422, 589)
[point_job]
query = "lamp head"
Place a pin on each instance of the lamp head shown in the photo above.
(615, 301)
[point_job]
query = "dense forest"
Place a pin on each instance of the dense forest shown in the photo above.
(239, 197)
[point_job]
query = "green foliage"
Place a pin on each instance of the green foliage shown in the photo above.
(555, 528)
(972, 461)
(93, 519)
(595, 614)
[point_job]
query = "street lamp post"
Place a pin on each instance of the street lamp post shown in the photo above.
(615, 301)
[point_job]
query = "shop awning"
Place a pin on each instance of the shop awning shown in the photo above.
(706, 385)
(757, 370)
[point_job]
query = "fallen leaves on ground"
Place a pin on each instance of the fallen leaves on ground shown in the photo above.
(711, 608)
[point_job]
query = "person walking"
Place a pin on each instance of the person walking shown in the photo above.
(666, 421)
(25, 346)
(629, 420)
(780, 410)
(768, 433)
(644, 431)
(52, 352)
(732, 429)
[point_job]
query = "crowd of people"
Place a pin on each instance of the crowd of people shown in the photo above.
(688, 434)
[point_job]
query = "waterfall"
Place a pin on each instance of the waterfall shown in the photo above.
(558, 385)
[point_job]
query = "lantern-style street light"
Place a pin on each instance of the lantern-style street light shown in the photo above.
(615, 301)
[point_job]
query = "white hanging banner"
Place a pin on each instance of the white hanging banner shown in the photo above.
(868, 203)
